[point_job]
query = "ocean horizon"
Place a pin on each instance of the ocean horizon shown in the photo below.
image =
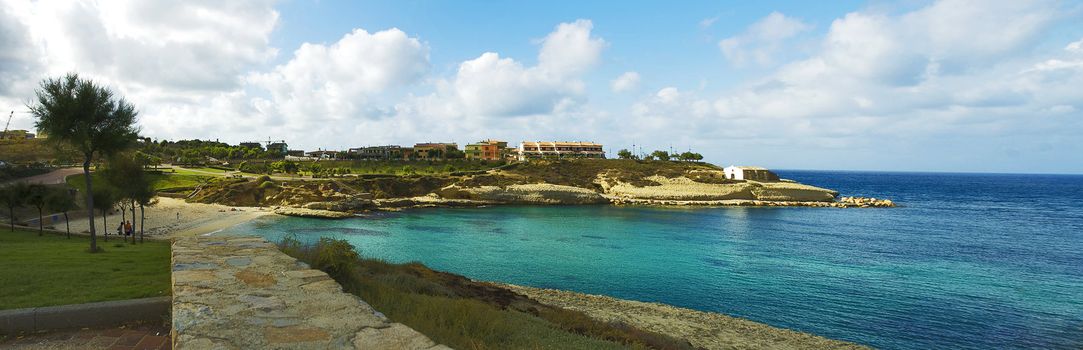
(968, 261)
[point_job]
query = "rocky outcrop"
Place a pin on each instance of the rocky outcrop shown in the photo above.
(679, 188)
(534, 183)
(705, 330)
(345, 204)
(542, 193)
(791, 191)
(431, 200)
(684, 189)
(311, 213)
(864, 202)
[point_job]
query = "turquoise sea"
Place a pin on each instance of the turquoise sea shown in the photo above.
(970, 261)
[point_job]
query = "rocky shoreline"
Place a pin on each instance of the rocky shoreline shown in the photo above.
(707, 330)
(613, 182)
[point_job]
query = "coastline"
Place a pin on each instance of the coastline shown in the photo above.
(171, 218)
(703, 329)
(706, 330)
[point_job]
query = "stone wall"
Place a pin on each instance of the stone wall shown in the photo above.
(242, 293)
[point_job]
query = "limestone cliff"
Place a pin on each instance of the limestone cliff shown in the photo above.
(540, 182)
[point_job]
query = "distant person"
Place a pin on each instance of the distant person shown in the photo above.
(120, 228)
(178, 216)
(128, 230)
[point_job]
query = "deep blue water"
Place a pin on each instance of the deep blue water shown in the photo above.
(973, 261)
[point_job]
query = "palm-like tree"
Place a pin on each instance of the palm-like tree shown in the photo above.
(13, 196)
(90, 119)
(105, 199)
(61, 200)
(36, 195)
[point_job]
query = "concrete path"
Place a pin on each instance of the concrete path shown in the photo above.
(242, 292)
(120, 338)
(51, 178)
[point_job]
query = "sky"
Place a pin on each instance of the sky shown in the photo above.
(952, 85)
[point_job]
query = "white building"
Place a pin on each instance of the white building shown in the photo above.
(534, 150)
(754, 173)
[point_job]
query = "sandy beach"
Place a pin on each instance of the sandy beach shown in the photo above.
(172, 217)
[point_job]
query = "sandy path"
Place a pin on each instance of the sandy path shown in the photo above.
(173, 217)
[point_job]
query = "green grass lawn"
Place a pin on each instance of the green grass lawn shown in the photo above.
(54, 270)
(198, 171)
(162, 182)
(167, 182)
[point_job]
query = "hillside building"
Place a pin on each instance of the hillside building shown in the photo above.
(322, 154)
(376, 152)
(280, 147)
(536, 150)
(434, 150)
(17, 135)
(753, 173)
(487, 150)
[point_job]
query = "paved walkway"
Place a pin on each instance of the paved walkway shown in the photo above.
(120, 338)
(51, 178)
(238, 292)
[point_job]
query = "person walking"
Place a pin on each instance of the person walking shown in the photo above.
(128, 228)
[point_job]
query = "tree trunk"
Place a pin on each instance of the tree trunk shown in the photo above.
(90, 204)
(41, 225)
(123, 218)
(67, 224)
(133, 223)
(142, 221)
(105, 225)
(11, 210)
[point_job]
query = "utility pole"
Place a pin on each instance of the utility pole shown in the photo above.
(12, 115)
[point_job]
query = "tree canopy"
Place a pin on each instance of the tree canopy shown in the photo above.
(90, 119)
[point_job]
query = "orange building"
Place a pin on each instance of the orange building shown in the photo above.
(487, 150)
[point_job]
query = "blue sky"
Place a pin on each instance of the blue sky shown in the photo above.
(951, 85)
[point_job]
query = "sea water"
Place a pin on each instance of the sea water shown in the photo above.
(973, 261)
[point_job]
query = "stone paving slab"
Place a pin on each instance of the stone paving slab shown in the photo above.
(125, 337)
(243, 293)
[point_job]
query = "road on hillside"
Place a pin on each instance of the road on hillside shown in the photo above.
(54, 177)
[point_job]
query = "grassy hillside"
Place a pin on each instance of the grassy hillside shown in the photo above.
(583, 172)
(164, 182)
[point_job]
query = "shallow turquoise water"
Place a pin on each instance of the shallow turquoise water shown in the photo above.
(971, 261)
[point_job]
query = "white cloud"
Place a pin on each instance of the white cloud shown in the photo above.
(335, 81)
(183, 45)
(570, 49)
(945, 69)
(162, 55)
(492, 86)
(762, 40)
(1075, 47)
(668, 95)
(708, 22)
(625, 82)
